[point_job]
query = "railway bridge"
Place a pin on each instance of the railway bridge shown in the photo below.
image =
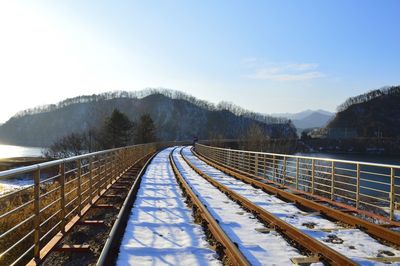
(173, 204)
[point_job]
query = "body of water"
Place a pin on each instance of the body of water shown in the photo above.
(372, 158)
(11, 151)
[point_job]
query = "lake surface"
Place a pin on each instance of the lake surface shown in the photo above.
(374, 158)
(10, 151)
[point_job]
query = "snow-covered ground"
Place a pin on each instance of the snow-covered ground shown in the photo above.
(353, 243)
(161, 229)
(9, 185)
(242, 227)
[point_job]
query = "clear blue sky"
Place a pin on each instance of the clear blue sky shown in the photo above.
(267, 56)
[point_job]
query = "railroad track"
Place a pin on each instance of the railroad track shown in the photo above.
(243, 222)
(333, 210)
(383, 251)
(309, 250)
(161, 227)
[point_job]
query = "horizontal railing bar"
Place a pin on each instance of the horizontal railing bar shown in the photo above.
(16, 226)
(4, 215)
(49, 179)
(17, 243)
(22, 256)
(49, 192)
(374, 189)
(309, 157)
(49, 218)
(51, 230)
(375, 182)
(49, 205)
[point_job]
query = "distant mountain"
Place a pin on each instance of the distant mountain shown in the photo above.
(308, 118)
(177, 116)
(373, 114)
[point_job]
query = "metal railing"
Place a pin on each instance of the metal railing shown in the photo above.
(32, 216)
(368, 186)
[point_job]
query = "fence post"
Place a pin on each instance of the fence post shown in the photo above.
(229, 159)
(358, 187)
(274, 168)
(333, 181)
(392, 194)
(284, 170)
(265, 175)
(36, 204)
(99, 174)
(312, 175)
(90, 179)
(113, 165)
(62, 195)
(79, 189)
(256, 164)
(297, 172)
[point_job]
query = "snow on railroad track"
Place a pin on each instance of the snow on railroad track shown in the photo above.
(258, 245)
(353, 243)
(161, 229)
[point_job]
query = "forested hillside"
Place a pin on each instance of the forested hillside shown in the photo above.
(373, 114)
(177, 116)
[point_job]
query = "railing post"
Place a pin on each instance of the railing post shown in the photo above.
(229, 159)
(274, 168)
(265, 166)
(358, 187)
(108, 169)
(392, 194)
(79, 189)
(90, 179)
(36, 203)
(333, 180)
(297, 172)
(99, 174)
(312, 175)
(115, 165)
(284, 170)
(62, 195)
(256, 164)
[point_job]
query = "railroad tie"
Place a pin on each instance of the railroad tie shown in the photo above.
(91, 222)
(105, 206)
(73, 248)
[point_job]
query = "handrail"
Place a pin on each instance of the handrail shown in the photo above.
(305, 157)
(368, 186)
(60, 190)
(29, 168)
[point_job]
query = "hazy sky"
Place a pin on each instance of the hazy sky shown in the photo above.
(267, 56)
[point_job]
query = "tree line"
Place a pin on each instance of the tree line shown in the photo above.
(393, 90)
(173, 94)
(117, 131)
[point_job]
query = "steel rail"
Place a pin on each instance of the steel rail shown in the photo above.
(232, 252)
(305, 241)
(110, 249)
(375, 230)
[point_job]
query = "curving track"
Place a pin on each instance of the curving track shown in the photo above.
(243, 224)
(349, 241)
(161, 229)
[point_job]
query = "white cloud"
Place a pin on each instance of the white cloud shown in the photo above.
(282, 71)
